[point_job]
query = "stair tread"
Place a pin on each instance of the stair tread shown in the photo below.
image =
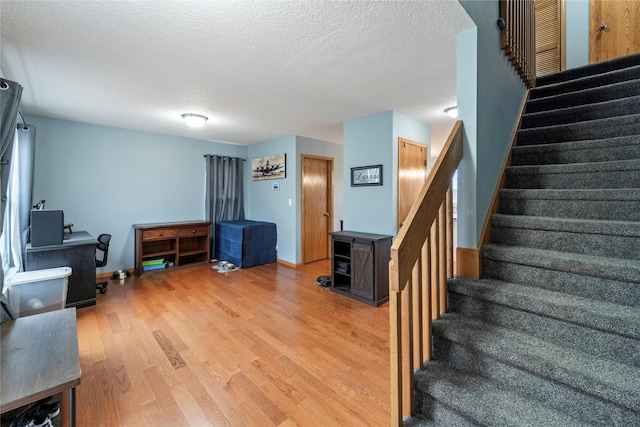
(603, 128)
(486, 401)
(587, 81)
(578, 145)
(585, 96)
(572, 225)
(618, 194)
(609, 380)
(605, 316)
(606, 166)
(604, 267)
(584, 112)
(619, 63)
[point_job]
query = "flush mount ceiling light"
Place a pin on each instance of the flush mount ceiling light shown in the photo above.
(195, 120)
(452, 112)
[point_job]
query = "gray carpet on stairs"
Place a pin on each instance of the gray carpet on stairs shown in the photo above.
(550, 336)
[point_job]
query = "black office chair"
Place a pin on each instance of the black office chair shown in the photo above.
(103, 246)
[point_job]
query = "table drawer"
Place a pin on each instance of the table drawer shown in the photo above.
(161, 233)
(193, 231)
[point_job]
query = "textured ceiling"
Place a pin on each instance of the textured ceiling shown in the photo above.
(258, 69)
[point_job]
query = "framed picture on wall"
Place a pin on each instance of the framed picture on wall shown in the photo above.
(269, 167)
(366, 175)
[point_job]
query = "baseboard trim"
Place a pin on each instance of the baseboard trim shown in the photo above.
(468, 263)
(286, 263)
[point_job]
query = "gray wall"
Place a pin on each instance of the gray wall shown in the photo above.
(490, 95)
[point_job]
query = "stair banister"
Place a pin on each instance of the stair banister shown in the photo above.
(421, 261)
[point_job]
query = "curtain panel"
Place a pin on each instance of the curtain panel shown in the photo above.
(20, 199)
(10, 93)
(223, 191)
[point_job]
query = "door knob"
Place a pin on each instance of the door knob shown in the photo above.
(603, 26)
(327, 214)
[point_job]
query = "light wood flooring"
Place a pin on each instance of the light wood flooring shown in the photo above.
(262, 346)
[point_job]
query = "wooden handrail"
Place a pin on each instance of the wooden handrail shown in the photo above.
(518, 38)
(421, 262)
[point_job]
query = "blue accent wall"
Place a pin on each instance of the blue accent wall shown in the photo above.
(317, 147)
(266, 204)
(369, 141)
(577, 29)
(107, 179)
(499, 94)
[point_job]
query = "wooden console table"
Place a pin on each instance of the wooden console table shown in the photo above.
(39, 358)
(179, 244)
(360, 266)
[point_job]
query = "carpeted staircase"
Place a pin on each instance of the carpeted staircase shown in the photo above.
(551, 335)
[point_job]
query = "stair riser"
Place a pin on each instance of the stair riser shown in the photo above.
(601, 94)
(590, 70)
(575, 132)
(587, 83)
(542, 157)
(623, 210)
(587, 244)
(440, 414)
(598, 288)
(586, 339)
(616, 108)
(580, 404)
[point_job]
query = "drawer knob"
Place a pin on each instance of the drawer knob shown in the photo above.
(193, 231)
(160, 234)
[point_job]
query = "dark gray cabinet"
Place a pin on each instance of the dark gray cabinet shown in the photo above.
(360, 266)
(77, 251)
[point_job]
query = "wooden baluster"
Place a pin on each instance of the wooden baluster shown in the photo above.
(435, 275)
(407, 350)
(442, 258)
(426, 300)
(416, 291)
(450, 242)
(395, 346)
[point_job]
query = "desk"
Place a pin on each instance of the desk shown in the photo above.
(77, 252)
(39, 358)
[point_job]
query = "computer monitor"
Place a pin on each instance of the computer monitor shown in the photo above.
(47, 227)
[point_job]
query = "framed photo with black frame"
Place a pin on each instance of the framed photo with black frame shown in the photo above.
(366, 175)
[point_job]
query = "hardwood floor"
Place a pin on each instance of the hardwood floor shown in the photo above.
(262, 346)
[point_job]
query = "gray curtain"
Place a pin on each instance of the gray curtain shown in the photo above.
(223, 192)
(25, 157)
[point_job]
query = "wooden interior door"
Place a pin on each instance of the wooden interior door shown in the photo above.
(412, 173)
(317, 207)
(550, 28)
(613, 29)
